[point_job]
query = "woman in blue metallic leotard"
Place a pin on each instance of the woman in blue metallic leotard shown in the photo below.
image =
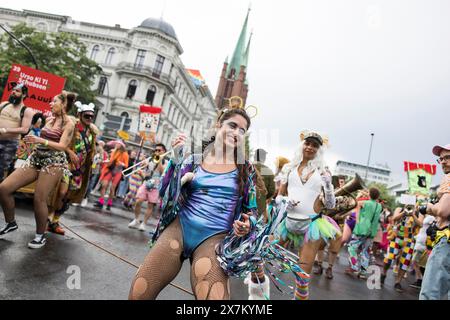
(217, 200)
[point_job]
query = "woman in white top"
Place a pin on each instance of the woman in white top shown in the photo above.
(307, 183)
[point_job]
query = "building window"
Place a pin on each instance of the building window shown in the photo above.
(102, 85)
(140, 58)
(158, 66)
(132, 86)
(95, 51)
(150, 95)
(109, 56)
(42, 27)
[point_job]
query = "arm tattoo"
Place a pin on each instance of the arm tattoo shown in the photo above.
(68, 137)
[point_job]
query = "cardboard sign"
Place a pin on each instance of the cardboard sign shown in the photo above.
(149, 122)
(42, 86)
(407, 199)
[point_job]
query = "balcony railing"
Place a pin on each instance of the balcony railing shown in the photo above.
(150, 72)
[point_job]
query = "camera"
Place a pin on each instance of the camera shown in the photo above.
(432, 231)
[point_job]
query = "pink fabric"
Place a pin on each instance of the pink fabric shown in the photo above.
(330, 220)
(151, 196)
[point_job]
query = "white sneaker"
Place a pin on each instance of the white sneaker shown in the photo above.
(142, 227)
(37, 243)
(85, 202)
(134, 224)
(258, 291)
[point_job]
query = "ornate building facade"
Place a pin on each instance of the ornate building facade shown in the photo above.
(141, 66)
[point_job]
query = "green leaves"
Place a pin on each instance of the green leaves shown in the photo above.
(59, 53)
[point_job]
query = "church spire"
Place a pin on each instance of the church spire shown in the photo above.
(247, 50)
(239, 52)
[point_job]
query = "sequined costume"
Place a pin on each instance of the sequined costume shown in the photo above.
(83, 144)
(173, 196)
(43, 158)
(210, 209)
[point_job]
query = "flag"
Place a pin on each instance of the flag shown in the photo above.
(196, 77)
(419, 177)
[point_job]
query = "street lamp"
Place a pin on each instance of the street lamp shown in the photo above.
(370, 153)
(22, 44)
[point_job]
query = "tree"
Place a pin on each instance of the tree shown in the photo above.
(59, 53)
(384, 195)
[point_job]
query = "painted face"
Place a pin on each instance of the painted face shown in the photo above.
(341, 183)
(233, 131)
(444, 160)
(56, 106)
(87, 117)
(310, 148)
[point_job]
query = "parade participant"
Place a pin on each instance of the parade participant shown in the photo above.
(303, 181)
(149, 190)
(81, 152)
(402, 245)
(125, 183)
(24, 150)
(420, 254)
(46, 165)
(280, 162)
(365, 230)
(112, 172)
(136, 181)
(436, 280)
(204, 198)
(334, 244)
(269, 181)
(15, 119)
(258, 282)
(101, 156)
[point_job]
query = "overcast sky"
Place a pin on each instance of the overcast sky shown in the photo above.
(347, 68)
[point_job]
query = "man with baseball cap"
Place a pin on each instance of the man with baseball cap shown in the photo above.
(436, 280)
(15, 119)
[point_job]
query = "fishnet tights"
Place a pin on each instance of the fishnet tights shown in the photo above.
(164, 262)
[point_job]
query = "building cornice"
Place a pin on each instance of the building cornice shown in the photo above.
(158, 34)
(49, 16)
(95, 36)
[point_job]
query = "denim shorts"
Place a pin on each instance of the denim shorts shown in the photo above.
(436, 280)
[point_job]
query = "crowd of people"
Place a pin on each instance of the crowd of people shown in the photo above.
(228, 216)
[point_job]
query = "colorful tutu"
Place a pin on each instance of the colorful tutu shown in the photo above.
(316, 228)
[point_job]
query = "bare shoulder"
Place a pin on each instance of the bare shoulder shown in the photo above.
(30, 112)
(69, 126)
(72, 119)
(95, 129)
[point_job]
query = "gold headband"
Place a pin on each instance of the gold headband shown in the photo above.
(239, 105)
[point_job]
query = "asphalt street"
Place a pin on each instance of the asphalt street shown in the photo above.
(48, 273)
